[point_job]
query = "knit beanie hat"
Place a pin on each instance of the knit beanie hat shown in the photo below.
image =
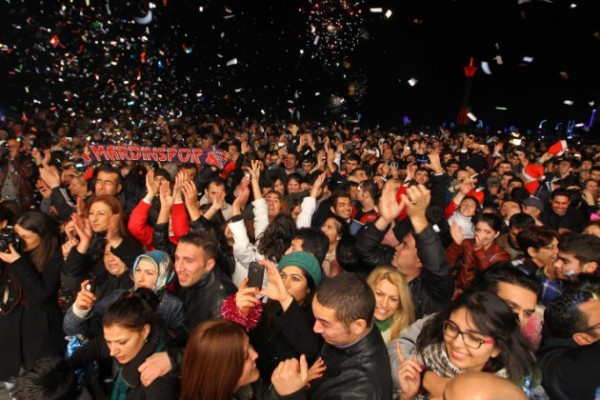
(162, 262)
(305, 261)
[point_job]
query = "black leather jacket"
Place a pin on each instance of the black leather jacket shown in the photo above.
(434, 286)
(203, 301)
(361, 371)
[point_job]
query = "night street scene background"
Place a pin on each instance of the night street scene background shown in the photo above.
(387, 62)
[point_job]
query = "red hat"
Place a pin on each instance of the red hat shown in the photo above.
(558, 148)
(533, 172)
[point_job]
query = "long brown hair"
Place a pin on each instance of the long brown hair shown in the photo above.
(213, 361)
(115, 207)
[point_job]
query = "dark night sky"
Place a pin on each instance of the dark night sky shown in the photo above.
(428, 40)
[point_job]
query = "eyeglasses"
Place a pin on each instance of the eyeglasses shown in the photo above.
(470, 340)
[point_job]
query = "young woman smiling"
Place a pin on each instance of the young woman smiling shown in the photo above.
(394, 308)
(102, 248)
(476, 332)
(471, 256)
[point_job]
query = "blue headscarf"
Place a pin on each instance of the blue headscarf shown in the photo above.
(162, 262)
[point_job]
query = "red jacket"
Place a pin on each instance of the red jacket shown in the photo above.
(473, 261)
(140, 229)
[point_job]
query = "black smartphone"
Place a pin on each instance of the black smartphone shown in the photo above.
(256, 274)
(91, 286)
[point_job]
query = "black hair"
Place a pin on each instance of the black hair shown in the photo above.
(492, 317)
(50, 378)
(109, 169)
(560, 192)
(47, 229)
(200, 239)
(347, 255)
(133, 310)
(520, 220)
(562, 316)
(585, 248)
(506, 272)
(351, 298)
(493, 220)
(277, 237)
(536, 237)
(314, 241)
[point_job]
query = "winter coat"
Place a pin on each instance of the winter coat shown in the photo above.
(429, 290)
(30, 321)
(473, 261)
(164, 387)
(359, 371)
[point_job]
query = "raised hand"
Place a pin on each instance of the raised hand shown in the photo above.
(51, 176)
(456, 233)
(434, 163)
(190, 196)
(180, 179)
(275, 289)
(67, 246)
(318, 185)
(151, 187)
(166, 197)
(83, 228)
(85, 299)
(409, 375)
(245, 298)
(467, 186)
(240, 202)
(389, 208)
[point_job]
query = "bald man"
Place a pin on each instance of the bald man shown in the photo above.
(482, 386)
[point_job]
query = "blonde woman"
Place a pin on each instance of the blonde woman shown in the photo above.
(394, 308)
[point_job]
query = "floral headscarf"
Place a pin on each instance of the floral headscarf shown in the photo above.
(163, 264)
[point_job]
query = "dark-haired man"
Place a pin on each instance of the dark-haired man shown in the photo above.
(560, 216)
(571, 347)
(201, 286)
(414, 249)
(577, 254)
(354, 352)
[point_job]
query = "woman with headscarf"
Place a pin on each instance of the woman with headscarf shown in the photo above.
(152, 270)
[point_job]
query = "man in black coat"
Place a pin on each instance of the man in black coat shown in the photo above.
(416, 251)
(201, 286)
(354, 353)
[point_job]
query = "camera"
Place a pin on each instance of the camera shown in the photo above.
(8, 236)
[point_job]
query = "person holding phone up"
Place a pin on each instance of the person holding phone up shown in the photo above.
(281, 328)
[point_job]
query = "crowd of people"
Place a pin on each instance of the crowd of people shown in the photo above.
(320, 261)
